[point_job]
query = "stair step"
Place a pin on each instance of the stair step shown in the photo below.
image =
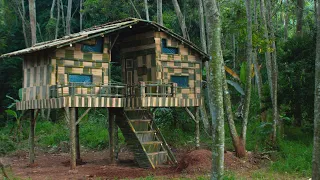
(140, 120)
(146, 136)
(158, 158)
(146, 132)
(151, 142)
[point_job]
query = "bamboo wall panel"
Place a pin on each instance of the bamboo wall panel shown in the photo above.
(186, 63)
(71, 60)
(36, 76)
(140, 48)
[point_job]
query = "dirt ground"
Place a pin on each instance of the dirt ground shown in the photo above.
(97, 164)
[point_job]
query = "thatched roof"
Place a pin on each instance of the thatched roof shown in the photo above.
(100, 30)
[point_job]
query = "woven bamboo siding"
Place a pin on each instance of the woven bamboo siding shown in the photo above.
(141, 49)
(186, 63)
(71, 60)
(36, 76)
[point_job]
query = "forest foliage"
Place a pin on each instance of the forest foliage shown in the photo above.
(295, 55)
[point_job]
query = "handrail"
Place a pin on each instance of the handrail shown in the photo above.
(116, 90)
(82, 89)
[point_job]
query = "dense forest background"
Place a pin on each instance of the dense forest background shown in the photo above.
(294, 35)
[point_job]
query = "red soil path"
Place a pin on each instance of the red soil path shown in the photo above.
(97, 164)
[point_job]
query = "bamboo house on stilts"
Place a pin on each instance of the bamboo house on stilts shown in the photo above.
(159, 69)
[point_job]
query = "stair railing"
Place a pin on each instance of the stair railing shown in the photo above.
(166, 146)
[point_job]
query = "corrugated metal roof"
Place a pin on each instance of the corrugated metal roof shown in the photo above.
(96, 31)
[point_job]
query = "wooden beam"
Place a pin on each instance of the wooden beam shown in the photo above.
(111, 136)
(72, 129)
(83, 115)
(196, 120)
(33, 119)
(77, 138)
(190, 114)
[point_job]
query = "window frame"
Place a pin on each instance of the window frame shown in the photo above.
(187, 85)
(162, 46)
(91, 78)
(96, 43)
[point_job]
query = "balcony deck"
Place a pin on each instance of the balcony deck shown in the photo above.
(145, 94)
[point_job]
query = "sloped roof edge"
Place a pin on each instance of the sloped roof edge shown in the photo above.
(99, 31)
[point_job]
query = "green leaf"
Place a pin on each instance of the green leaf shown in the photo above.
(20, 94)
(12, 113)
(237, 86)
(243, 72)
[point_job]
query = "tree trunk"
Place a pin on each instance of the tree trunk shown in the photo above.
(146, 9)
(72, 129)
(159, 12)
(202, 27)
(63, 17)
(81, 14)
(238, 146)
(33, 21)
(248, 74)
(274, 70)
(266, 37)
(68, 18)
(52, 8)
(203, 111)
(234, 51)
(316, 139)
(181, 18)
(215, 89)
(300, 7)
(23, 19)
(135, 9)
(58, 20)
(286, 20)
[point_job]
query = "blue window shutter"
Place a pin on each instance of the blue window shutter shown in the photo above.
(76, 78)
(98, 47)
(168, 50)
(182, 81)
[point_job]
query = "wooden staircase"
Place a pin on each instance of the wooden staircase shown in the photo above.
(144, 138)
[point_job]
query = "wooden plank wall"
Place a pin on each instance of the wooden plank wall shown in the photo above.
(141, 49)
(186, 63)
(71, 60)
(36, 76)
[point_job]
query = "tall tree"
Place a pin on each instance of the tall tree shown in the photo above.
(181, 19)
(33, 21)
(274, 75)
(215, 88)
(52, 8)
(203, 111)
(81, 14)
(316, 139)
(248, 75)
(269, 64)
(58, 20)
(68, 18)
(146, 9)
(159, 12)
(300, 7)
(256, 67)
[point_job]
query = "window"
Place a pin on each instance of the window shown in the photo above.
(168, 50)
(96, 47)
(182, 81)
(77, 78)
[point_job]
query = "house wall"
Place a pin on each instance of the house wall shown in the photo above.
(185, 63)
(36, 76)
(72, 60)
(140, 48)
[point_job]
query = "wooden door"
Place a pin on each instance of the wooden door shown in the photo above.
(129, 70)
